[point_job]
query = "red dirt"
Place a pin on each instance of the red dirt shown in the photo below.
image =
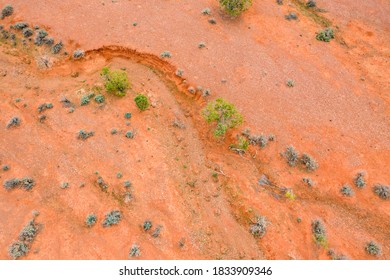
(338, 111)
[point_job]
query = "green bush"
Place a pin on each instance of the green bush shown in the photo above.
(235, 7)
(116, 81)
(18, 249)
(325, 35)
(112, 218)
(142, 102)
(373, 248)
(224, 114)
(319, 232)
(99, 98)
(90, 220)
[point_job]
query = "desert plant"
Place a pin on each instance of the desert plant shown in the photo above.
(127, 115)
(147, 225)
(359, 180)
(311, 4)
(25, 183)
(77, 54)
(179, 73)
(119, 175)
(84, 100)
(116, 81)
(201, 45)
(20, 25)
(29, 232)
(112, 218)
(224, 114)
(129, 134)
(142, 102)
(212, 21)
(325, 35)
(99, 98)
(291, 16)
(90, 220)
(309, 163)
(18, 249)
(135, 251)
(44, 106)
(382, 191)
(166, 54)
(157, 231)
(39, 38)
(373, 248)
(308, 181)
(7, 11)
(27, 32)
(241, 146)
(127, 184)
(64, 185)
(346, 190)
(5, 167)
(84, 134)
(289, 194)
(114, 131)
(57, 47)
(103, 186)
(259, 228)
(291, 155)
(206, 11)
(290, 83)
(235, 7)
(319, 232)
(14, 121)
(279, 2)
(48, 41)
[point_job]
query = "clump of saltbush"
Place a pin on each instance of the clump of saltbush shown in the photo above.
(39, 38)
(373, 248)
(77, 54)
(7, 11)
(84, 100)
(142, 102)
(309, 163)
(112, 218)
(20, 248)
(224, 114)
(259, 228)
(25, 183)
(346, 190)
(115, 81)
(291, 155)
(359, 180)
(84, 134)
(57, 47)
(319, 232)
(99, 98)
(382, 191)
(135, 251)
(235, 7)
(325, 35)
(90, 220)
(29, 232)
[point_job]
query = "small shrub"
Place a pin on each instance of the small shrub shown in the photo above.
(291, 16)
(147, 225)
(119, 175)
(29, 232)
(116, 81)
(346, 190)
(27, 32)
(112, 218)
(84, 100)
(25, 183)
(157, 231)
(44, 106)
(57, 48)
(42, 118)
(241, 146)
(212, 21)
(99, 98)
(11, 184)
(359, 180)
(142, 102)
(311, 4)
(135, 251)
(291, 155)
(373, 248)
(39, 38)
(7, 11)
(308, 181)
(289, 194)
(15, 121)
(290, 83)
(279, 2)
(259, 228)
(179, 73)
(18, 249)
(127, 184)
(48, 41)
(90, 220)
(206, 11)
(20, 25)
(224, 114)
(103, 186)
(309, 163)
(201, 45)
(5, 167)
(166, 54)
(319, 232)
(127, 115)
(84, 134)
(77, 54)
(64, 185)
(325, 35)
(114, 131)
(129, 134)
(382, 191)
(235, 7)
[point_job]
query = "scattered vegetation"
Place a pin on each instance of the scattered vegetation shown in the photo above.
(112, 218)
(84, 100)
(319, 232)
(373, 248)
(116, 81)
(39, 38)
(77, 54)
(5, 167)
(201, 45)
(157, 231)
(64, 185)
(291, 155)
(325, 35)
(20, 248)
(179, 73)
(103, 186)
(127, 184)
(241, 146)
(25, 183)
(224, 114)
(166, 54)
(27, 32)
(359, 180)
(119, 175)
(99, 98)
(311, 4)
(84, 134)
(15, 121)
(29, 232)
(347, 190)
(289, 194)
(91, 220)
(142, 102)
(57, 47)
(7, 11)
(135, 251)
(309, 163)
(212, 21)
(114, 131)
(44, 106)
(382, 191)
(235, 7)
(259, 228)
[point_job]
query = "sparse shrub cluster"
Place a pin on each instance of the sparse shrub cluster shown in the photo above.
(20, 248)
(116, 81)
(319, 232)
(142, 102)
(112, 218)
(261, 140)
(291, 16)
(206, 11)
(39, 38)
(224, 114)
(311, 4)
(129, 134)
(25, 183)
(7, 11)
(373, 248)
(156, 232)
(91, 220)
(335, 256)
(347, 190)
(325, 35)
(103, 186)
(235, 7)
(20, 25)
(44, 106)
(382, 191)
(292, 157)
(27, 32)
(259, 228)
(85, 134)
(14, 121)
(359, 180)
(309, 163)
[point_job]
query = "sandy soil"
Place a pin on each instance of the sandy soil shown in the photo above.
(337, 111)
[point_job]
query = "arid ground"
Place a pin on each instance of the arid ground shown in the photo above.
(201, 197)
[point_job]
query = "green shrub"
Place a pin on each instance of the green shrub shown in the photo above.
(319, 232)
(359, 180)
(373, 248)
(7, 11)
(84, 100)
(309, 163)
(147, 225)
(346, 190)
(142, 102)
(241, 146)
(166, 54)
(29, 232)
(15, 121)
(382, 191)
(127, 115)
(224, 114)
(134, 251)
(26, 183)
(18, 249)
(84, 134)
(129, 134)
(235, 7)
(99, 98)
(325, 35)
(90, 220)
(291, 155)
(112, 218)
(116, 81)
